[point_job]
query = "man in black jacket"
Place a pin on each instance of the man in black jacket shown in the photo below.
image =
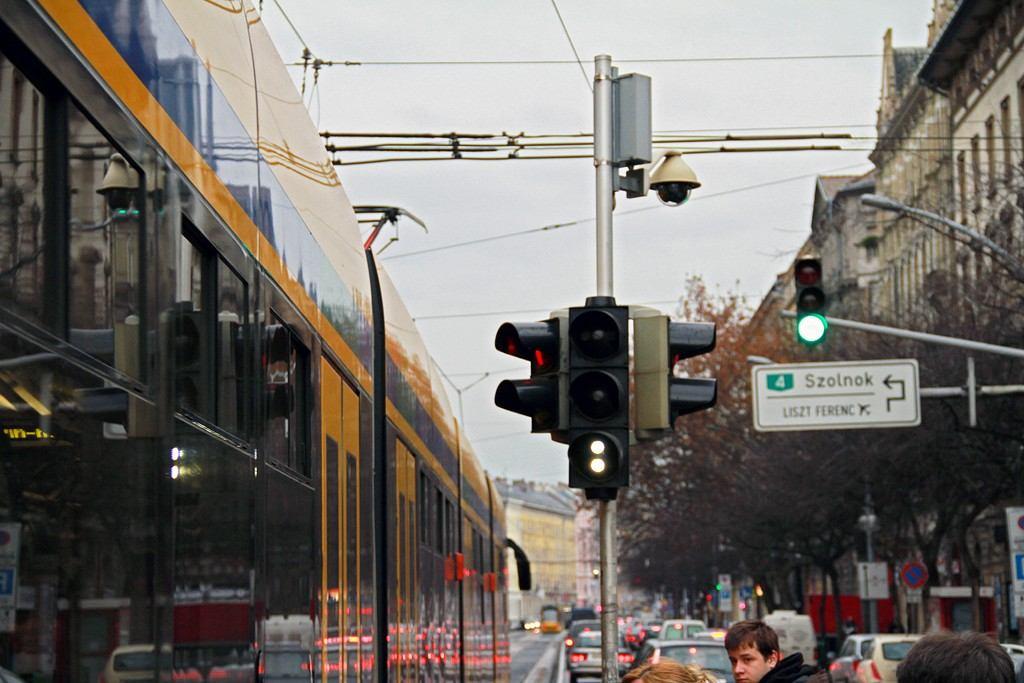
(753, 648)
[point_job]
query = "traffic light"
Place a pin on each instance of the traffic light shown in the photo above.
(599, 398)
(659, 345)
(538, 397)
(191, 351)
(811, 325)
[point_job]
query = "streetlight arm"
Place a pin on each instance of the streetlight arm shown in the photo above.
(887, 204)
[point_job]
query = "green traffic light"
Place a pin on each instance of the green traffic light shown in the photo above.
(811, 329)
(718, 586)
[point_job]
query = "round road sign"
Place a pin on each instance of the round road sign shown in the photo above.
(914, 574)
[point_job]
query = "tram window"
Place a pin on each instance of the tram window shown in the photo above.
(209, 334)
(424, 502)
(352, 545)
(22, 234)
(104, 247)
(287, 380)
(438, 520)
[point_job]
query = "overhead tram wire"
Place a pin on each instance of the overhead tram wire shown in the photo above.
(565, 29)
(582, 221)
(521, 146)
(553, 62)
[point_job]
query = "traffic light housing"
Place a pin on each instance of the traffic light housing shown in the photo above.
(811, 325)
(540, 397)
(190, 347)
(659, 344)
(598, 397)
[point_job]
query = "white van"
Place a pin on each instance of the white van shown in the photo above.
(795, 631)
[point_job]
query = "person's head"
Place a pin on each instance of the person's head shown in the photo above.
(668, 671)
(753, 650)
(956, 657)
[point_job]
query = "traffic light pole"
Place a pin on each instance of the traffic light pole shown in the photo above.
(605, 190)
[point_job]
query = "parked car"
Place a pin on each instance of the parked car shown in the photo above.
(796, 633)
(584, 657)
(681, 629)
(8, 676)
(284, 663)
(581, 614)
(1012, 648)
(1016, 653)
(581, 626)
(133, 663)
(711, 634)
(855, 647)
(884, 654)
(707, 654)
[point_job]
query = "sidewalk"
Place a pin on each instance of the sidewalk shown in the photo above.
(548, 665)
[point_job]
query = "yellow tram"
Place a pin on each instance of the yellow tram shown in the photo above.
(203, 376)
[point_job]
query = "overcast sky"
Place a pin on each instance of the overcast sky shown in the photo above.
(736, 239)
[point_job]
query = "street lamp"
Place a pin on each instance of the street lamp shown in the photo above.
(1010, 262)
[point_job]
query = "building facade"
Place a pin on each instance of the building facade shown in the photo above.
(541, 518)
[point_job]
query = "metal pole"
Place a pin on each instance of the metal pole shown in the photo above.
(872, 619)
(869, 528)
(605, 170)
(972, 402)
(605, 191)
(609, 596)
(920, 336)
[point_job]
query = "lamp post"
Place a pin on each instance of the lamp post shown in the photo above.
(868, 522)
(1004, 257)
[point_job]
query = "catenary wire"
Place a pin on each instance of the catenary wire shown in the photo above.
(553, 62)
(580, 221)
(568, 36)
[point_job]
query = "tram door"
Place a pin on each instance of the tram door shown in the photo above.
(342, 653)
(404, 654)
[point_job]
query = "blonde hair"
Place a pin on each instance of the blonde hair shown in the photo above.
(668, 671)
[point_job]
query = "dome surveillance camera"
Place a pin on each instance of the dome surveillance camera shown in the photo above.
(673, 179)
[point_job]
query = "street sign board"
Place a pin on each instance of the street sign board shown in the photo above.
(1015, 537)
(914, 575)
(873, 580)
(725, 593)
(842, 395)
(913, 596)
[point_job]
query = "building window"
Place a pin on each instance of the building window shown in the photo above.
(23, 234)
(1020, 111)
(990, 154)
(287, 380)
(976, 171)
(1005, 131)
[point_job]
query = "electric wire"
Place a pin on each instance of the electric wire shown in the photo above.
(565, 29)
(554, 62)
(582, 221)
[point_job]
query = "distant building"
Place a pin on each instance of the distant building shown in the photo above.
(588, 557)
(846, 237)
(541, 518)
(913, 165)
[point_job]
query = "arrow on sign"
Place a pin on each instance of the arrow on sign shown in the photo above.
(888, 382)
